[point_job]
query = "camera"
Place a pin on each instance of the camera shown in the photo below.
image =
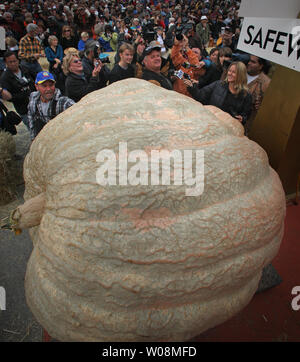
(180, 74)
(178, 33)
(104, 58)
(148, 31)
(127, 21)
(183, 30)
(24, 83)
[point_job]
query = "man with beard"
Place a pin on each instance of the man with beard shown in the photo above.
(46, 103)
(258, 83)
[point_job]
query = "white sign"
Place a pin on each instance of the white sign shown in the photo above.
(269, 9)
(277, 40)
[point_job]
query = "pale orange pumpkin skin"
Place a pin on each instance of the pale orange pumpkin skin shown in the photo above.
(147, 263)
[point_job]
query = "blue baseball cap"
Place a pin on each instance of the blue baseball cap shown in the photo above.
(41, 77)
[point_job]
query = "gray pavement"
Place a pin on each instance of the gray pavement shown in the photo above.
(16, 322)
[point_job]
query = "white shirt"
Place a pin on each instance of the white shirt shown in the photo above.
(45, 106)
(251, 78)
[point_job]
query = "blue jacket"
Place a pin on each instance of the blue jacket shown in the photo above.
(51, 55)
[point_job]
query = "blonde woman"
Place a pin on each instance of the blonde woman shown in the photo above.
(54, 53)
(68, 39)
(76, 85)
(230, 95)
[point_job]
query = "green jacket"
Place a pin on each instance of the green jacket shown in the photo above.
(204, 33)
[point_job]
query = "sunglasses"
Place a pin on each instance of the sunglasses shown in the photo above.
(77, 61)
(67, 30)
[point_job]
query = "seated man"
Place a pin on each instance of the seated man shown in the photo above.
(46, 103)
(152, 64)
(89, 60)
(19, 82)
(30, 50)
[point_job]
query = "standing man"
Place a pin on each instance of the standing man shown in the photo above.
(30, 49)
(46, 103)
(258, 82)
(203, 31)
(19, 82)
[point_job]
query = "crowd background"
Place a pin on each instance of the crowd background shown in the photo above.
(197, 37)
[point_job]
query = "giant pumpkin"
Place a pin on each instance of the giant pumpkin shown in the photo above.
(145, 262)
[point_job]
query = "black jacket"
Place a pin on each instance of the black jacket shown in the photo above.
(212, 74)
(20, 89)
(88, 67)
(118, 73)
(77, 86)
(157, 78)
(215, 94)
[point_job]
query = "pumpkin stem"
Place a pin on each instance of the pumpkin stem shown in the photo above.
(29, 214)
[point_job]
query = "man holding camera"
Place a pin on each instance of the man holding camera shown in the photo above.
(186, 63)
(227, 39)
(91, 59)
(19, 82)
(152, 64)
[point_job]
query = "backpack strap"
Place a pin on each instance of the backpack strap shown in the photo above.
(53, 109)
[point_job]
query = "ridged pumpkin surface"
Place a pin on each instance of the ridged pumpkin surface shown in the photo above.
(147, 263)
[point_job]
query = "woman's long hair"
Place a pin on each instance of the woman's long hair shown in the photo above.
(64, 28)
(240, 84)
(67, 61)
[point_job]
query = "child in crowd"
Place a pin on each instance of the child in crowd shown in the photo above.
(84, 38)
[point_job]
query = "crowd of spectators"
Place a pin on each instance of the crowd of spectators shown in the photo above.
(184, 45)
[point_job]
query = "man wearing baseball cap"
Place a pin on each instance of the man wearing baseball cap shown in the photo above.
(46, 103)
(152, 64)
